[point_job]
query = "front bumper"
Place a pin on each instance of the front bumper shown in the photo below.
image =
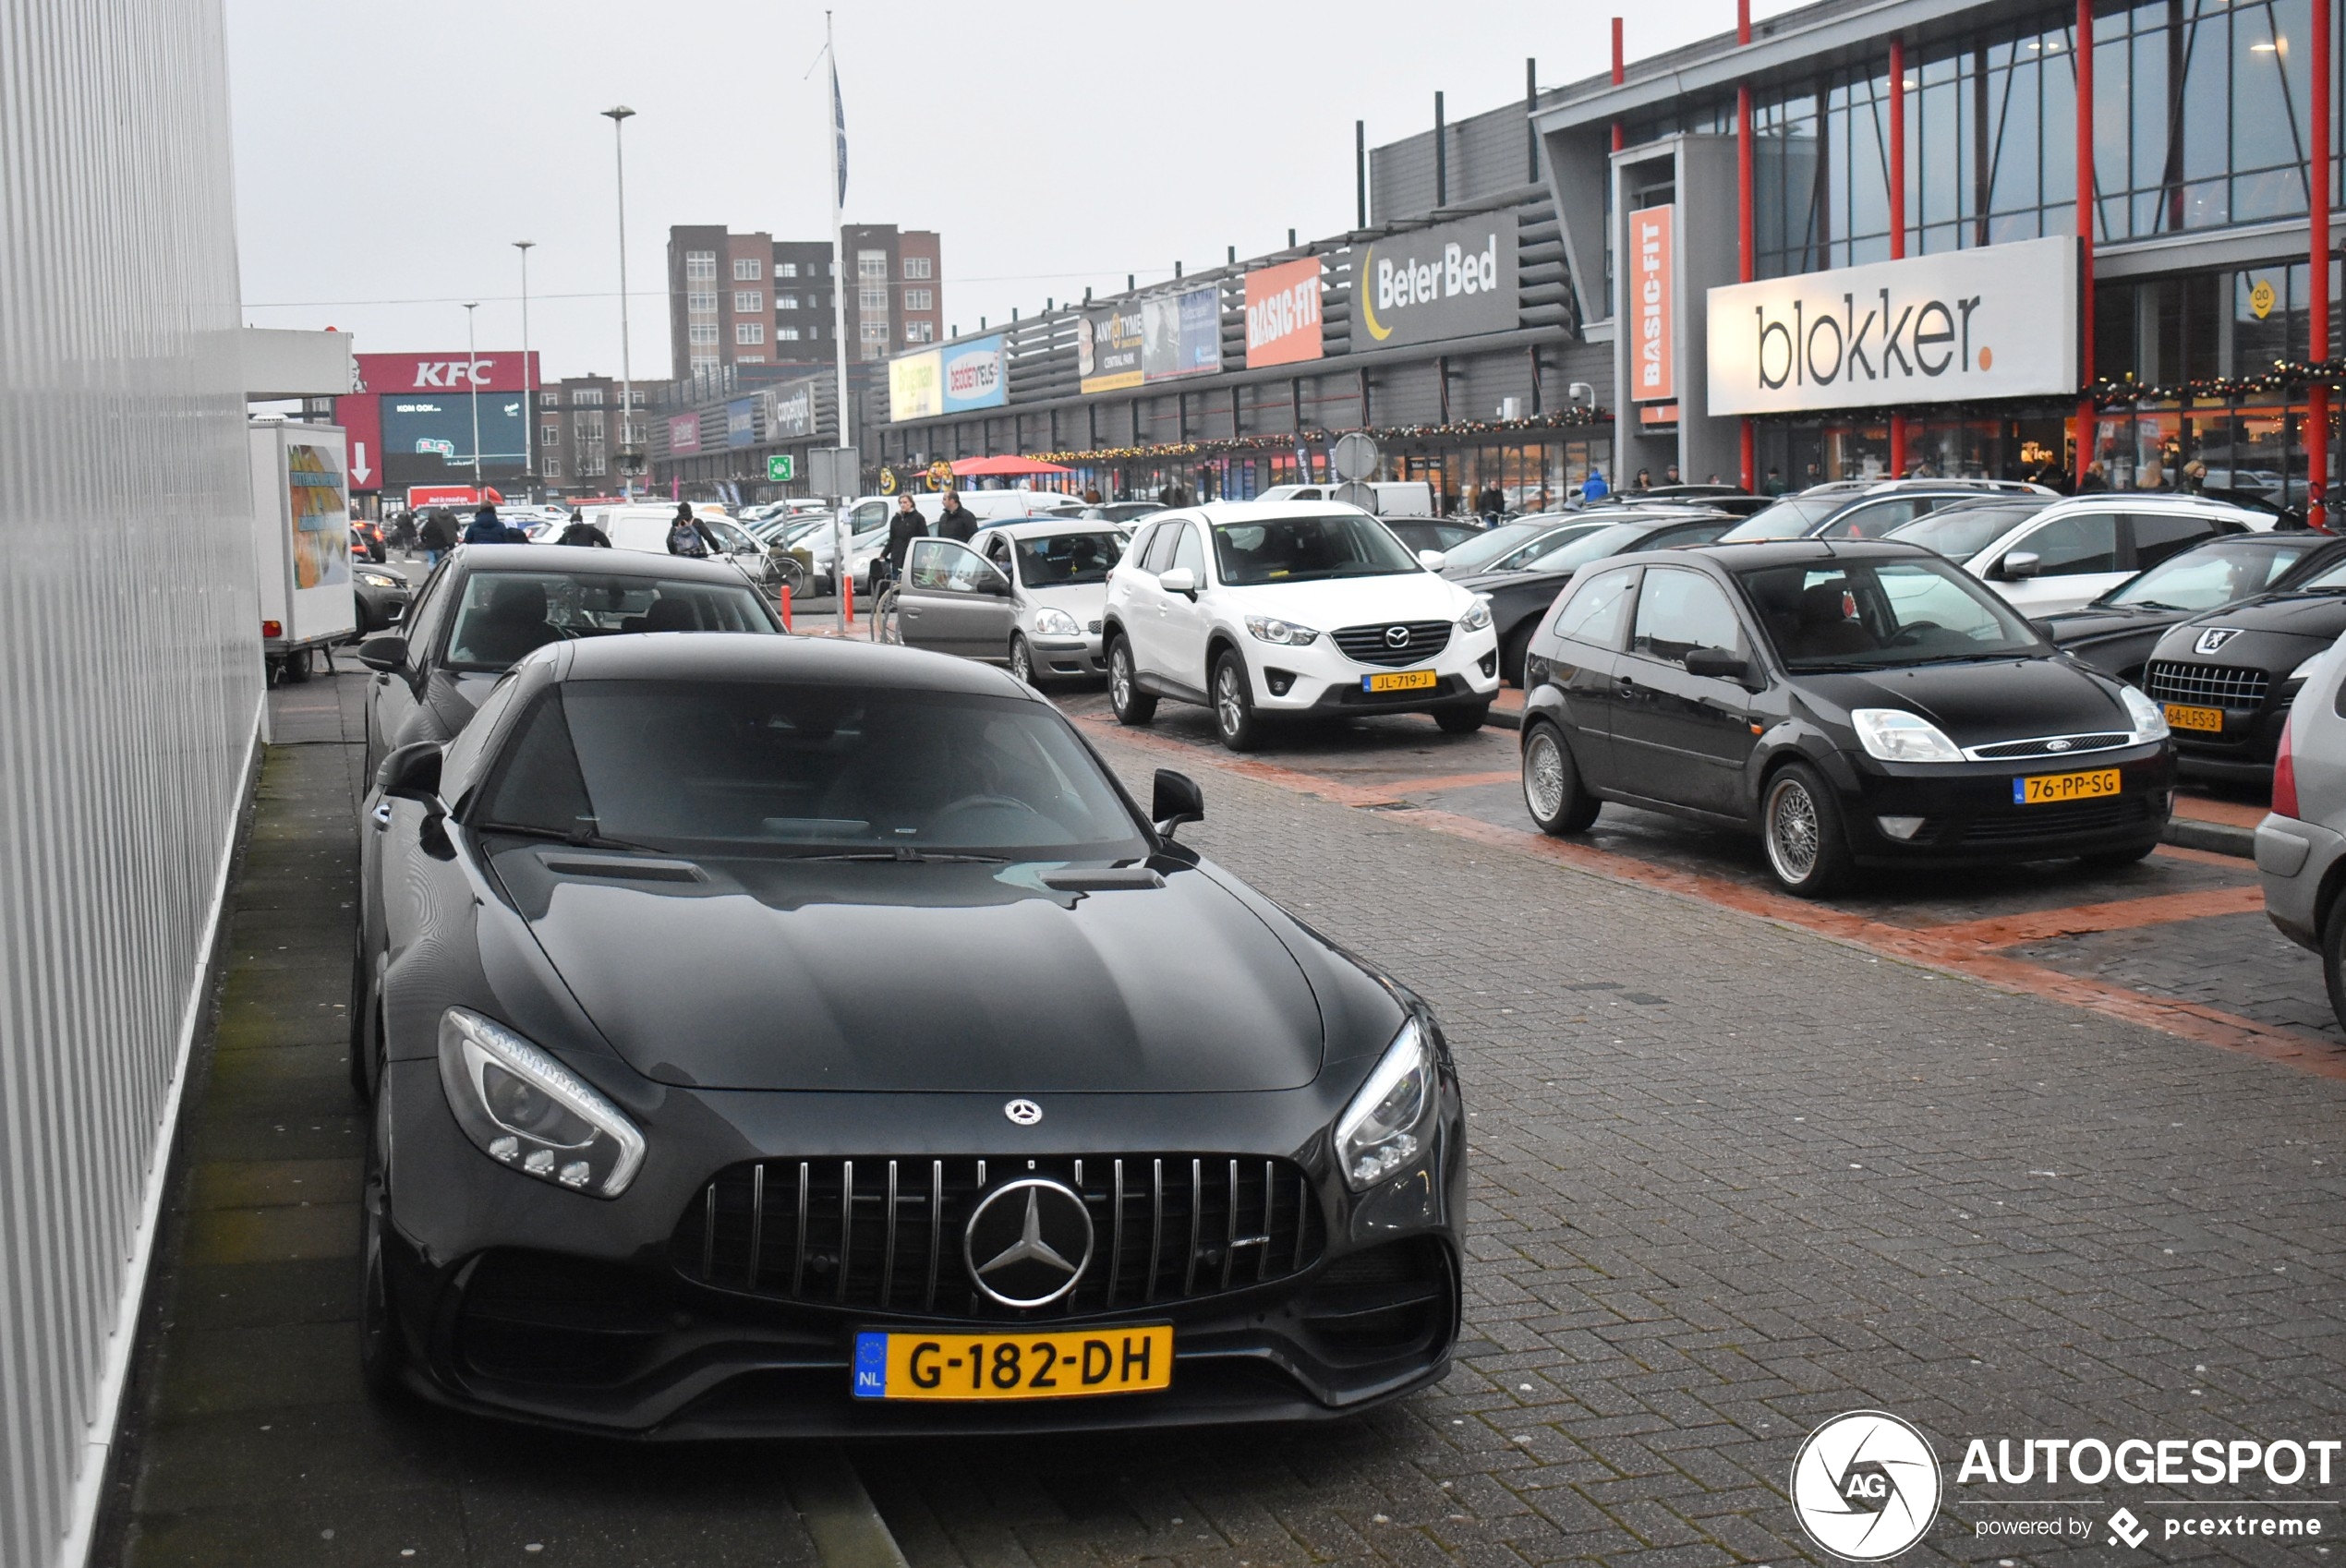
(1065, 655)
(524, 1301)
(1969, 816)
(2294, 859)
(1319, 678)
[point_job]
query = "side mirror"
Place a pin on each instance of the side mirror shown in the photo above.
(412, 771)
(1718, 664)
(1175, 801)
(388, 651)
(2019, 566)
(996, 584)
(1432, 560)
(1181, 580)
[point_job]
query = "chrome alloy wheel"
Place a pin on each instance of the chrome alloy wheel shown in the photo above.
(1229, 702)
(1543, 776)
(1793, 830)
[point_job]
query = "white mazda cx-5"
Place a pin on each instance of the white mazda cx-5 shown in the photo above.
(1254, 609)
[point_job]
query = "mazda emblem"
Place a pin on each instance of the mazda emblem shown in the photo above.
(1397, 637)
(1024, 1113)
(1028, 1241)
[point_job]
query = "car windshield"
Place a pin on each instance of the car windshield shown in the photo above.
(1883, 614)
(1533, 546)
(1595, 544)
(1058, 560)
(505, 615)
(1963, 532)
(1310, 549)
(2331, 581)
(1790, 518)
(1492, 543)
(2218, 573)
(802, 769)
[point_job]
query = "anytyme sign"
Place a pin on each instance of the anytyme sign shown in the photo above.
(2001, 322)
(1451, 282)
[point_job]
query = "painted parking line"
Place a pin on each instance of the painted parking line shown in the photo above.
(2120, 914)
(2191, 1020)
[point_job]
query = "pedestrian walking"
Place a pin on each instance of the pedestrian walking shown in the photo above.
(437, 535)
(1491, 503)
(1644, 480)
(685, 534)
(1774, 487)
(903, 529)
(1670, 474)
(578, 531)
(955, 521)
(1593, 488)
(485, 528)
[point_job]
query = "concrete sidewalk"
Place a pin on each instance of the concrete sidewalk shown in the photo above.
(247, 1441)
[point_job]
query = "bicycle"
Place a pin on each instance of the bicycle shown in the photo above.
(881, 625)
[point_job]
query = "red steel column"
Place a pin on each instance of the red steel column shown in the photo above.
(1620, 75)
(2082, 53)
(2317, 310)
(1898, 215)
(1743, 207)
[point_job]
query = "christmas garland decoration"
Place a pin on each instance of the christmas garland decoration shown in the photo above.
(1563, 419)
(2286, 375)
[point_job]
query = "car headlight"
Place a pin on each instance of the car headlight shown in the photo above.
(1386, 1125)
(1056, 623)
(378, 580)
(1894, 735)
(1478, 614)
(2149, 719)
(523, 1108)
(1287, 634)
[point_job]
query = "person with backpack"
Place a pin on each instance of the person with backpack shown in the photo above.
(486, 529)
(685, 536)
(436, 536)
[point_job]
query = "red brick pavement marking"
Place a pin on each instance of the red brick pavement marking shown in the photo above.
(2189, 1020)
(2119, 914)
(1450, 781)
(2232, 814)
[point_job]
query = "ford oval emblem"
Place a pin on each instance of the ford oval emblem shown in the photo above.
(2057, 745)
(1024, 1113)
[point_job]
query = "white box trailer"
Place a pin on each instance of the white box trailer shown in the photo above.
(301, 542)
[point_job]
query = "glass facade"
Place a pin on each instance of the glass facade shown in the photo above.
(2199, 123)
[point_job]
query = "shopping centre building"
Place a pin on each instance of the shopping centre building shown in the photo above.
(1861, 237)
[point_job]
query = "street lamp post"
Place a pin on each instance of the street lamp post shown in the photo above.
(619, 117)
(472, 381)
(528, 381)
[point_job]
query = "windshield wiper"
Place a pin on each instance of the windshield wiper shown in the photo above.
(911, 856)
(577, 839)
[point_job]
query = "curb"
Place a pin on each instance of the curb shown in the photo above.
(2220, 837)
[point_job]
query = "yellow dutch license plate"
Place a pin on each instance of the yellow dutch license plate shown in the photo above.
(2207, 719)
(1059, 1365)
(2047, 787)
(1406, 680)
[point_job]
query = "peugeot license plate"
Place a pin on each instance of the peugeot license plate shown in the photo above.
(2209, 720)
(1061, 1365)
(1402, 680)
(2047, 787)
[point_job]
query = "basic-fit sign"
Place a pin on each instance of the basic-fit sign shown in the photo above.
(1998, 322)
(1283, 314)
(1451, 282)
(1653, 305)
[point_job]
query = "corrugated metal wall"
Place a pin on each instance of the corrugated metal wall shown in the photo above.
(129, 678)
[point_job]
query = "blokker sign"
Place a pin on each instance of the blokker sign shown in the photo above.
(1999, 322)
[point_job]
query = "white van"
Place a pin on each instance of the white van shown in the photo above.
(644, 526)
(868, 527)
(1394, 497)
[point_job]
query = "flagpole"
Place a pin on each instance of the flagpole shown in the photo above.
(839, 284)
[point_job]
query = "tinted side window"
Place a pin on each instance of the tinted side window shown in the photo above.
(1872, 522)
(2161, 535)
(423, 621)
(2079, 543)
(1597, 613)
(1680, 611)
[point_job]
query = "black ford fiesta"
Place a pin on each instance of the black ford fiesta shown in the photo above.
(1854, 703)
(791, 1037)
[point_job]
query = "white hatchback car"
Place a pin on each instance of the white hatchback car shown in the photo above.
(1254, 609)
(2043, 556)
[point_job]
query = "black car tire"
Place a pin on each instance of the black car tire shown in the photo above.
(2334, 957)
(1132, 705)
(382, 1345)
(1807, 843)
(1022, 662)
(295, 666)
(1462, 721)
(1514, 652)
(1552, 792)
(1233, 695)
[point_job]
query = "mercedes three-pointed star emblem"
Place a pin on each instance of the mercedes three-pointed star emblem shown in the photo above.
(1035, 1235)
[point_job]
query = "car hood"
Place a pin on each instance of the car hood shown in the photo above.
(1082, 600)
(2070, 626)
(1330, 605)
(1977, 704)
(976, 979)
(1492, 582)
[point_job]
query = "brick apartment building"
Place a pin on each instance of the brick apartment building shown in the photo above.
(577, 420)
(752, 300)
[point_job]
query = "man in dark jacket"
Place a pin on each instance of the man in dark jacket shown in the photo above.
(436, 534)
(685, 534)
(956, 521)
(581, 532)
(903, 529)
(486, 529)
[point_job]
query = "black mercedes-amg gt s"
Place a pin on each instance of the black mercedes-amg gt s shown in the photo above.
(781, 1036)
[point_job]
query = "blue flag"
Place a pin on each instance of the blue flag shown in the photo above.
(839, 134)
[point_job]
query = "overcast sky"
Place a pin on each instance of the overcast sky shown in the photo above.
(387, 155)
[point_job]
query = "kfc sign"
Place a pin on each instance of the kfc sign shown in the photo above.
(500, 372)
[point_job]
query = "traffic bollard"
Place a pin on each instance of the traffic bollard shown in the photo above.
(786, 625)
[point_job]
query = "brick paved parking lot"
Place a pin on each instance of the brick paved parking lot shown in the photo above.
(1732, 1176)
